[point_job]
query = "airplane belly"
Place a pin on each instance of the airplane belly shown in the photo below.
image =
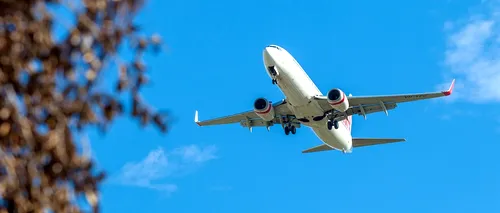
(337, 138)
(308, 111)
(296, 85)
(294, 94)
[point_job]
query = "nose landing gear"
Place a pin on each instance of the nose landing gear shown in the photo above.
(274, 73)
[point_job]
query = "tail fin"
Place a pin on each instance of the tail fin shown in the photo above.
(349, 123)
(349, 120)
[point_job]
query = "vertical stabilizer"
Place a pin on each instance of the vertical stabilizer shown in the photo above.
(349, 120)
(348, 123)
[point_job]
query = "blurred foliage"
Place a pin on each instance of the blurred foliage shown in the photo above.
(49, 93)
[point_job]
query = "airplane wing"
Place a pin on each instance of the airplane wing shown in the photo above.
(360, 104)
(250, 118)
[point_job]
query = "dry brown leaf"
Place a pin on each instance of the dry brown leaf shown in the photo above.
(47, 94)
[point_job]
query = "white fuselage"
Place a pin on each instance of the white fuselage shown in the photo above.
(299, 91)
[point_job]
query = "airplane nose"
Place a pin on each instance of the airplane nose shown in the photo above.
(272, 54)
(266, 51)
(268, 59)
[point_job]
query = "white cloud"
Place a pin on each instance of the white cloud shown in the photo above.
(498, 126)
(448, 25)
(473, 56)
(195, 154)
(155, 169)
(459, 113)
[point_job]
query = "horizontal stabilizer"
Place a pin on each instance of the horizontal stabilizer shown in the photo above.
(319, 148)
(358, 142)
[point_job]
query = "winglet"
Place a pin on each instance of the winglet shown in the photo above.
(196, 118)
(450, 90)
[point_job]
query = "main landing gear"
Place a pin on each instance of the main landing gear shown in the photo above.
(274, 81)
(290, 128)
(332, 122)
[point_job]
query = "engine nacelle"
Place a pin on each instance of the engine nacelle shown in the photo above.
(338, 100)
(264, 109)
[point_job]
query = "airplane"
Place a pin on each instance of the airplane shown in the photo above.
(329, 116)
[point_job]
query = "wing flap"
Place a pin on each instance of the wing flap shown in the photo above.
(363, 110)
(366, 100)
(280, 108)
(359, 142)
(263, 123)
(363, 105)
(358, 110)
(227, 119)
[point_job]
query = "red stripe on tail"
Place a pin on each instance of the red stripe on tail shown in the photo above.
(348, 123)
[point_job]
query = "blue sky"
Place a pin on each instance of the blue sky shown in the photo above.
(213, 63)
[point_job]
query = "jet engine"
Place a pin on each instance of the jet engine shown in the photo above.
(264, 109)
(338, 100)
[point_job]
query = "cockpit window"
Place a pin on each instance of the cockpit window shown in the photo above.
(274, 46)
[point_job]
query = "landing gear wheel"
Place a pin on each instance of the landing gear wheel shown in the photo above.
(293, 130)
(274, 81)
(333, 123)
(336, 124)
(287, 130)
